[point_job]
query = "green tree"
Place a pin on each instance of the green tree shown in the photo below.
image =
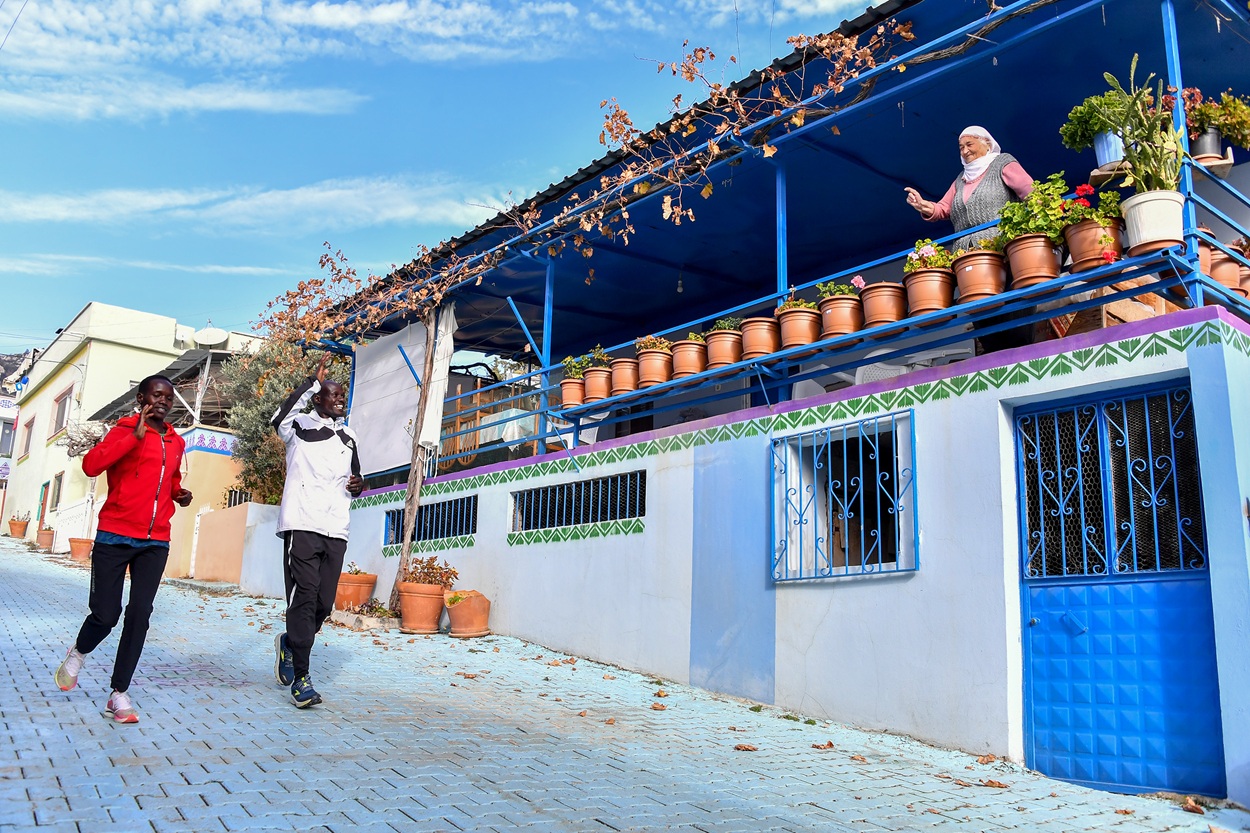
(258, 383)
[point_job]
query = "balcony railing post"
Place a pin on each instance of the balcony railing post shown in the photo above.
(1171, 49)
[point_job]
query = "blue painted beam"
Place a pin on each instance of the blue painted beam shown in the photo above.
(533, 345)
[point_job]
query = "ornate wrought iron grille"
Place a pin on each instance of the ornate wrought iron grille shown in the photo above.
(445, 519)
(585, 502)
(844, 501)
(1111, 487)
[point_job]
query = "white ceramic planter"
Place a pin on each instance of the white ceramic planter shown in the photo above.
(1153, 220)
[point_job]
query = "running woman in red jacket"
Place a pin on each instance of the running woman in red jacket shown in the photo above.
(142, 455)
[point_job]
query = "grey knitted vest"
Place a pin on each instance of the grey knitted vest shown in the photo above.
(984, 204)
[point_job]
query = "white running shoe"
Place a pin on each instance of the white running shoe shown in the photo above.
(67, 672)
(121, 709)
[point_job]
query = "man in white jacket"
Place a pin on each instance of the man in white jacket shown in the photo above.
(322, 477)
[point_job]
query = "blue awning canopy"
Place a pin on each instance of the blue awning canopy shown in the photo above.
(844, 174)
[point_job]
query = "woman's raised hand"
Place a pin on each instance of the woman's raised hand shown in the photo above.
(919, 203)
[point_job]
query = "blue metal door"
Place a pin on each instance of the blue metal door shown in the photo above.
(1121, 685)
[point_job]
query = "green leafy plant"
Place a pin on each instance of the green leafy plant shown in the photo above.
(352, 570)
(1087, 119)
(652, 343)
(455, 599)
(793, 302)
(1080, 208)
(728, 323)
(23, 517)
(1229, 114)
(429, 571)
(1041, 212)
(1234, 121)
(830, 289)
(927, 255)
(599, 357)
(694, 337)
(373, 608)
(1152, 145)
(575, 367)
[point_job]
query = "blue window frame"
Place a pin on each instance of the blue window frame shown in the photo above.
(844, 500)
(609, 498)
(445, 519)
(1111, 486)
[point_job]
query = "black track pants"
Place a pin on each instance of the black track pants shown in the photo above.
(311, 563)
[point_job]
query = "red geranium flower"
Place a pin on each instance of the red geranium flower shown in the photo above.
(1082, 202)
(1084, 190)
(1108, 256)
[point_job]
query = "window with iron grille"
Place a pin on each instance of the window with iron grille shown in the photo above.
(445, 519)
(584, 502)
(1111, 487)
(844, 501)
(237, 497)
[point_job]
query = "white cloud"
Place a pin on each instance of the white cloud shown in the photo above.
(330, 205)
(59, 265)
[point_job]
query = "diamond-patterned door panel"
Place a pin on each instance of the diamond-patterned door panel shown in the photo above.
(1121, 684)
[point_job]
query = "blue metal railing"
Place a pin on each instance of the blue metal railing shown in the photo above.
(1109, 486)
(844, 501)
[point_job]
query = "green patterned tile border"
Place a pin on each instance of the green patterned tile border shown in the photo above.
(460, 542)
(581, 532)
(1126, 351)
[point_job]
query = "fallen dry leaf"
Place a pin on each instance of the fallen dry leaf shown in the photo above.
(1124, 812)
(414, 639)
(611, 721)
(961, 782)
(859, 758)
(987, 759)
(466, 675)
(555, 662)
(496, 650)
(1214, 829)
(934, 812)
(826, 745)
(557, 699)
(942, 775)
(659, 707)
(608, 677)
(661, 693)
(742, 747)
(990, 782)
(581, 713)
(1191, 806)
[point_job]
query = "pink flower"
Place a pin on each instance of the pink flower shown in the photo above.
(858, 281)
(928, 251)
(913, 256)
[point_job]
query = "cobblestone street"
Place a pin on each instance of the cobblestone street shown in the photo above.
(436, 734)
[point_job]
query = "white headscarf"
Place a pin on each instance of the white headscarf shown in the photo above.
(974, 169)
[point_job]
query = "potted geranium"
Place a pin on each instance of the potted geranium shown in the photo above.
(799, 321)
(724, 342)
(573, 385)
(421, 590)
(840, 309)
(928, 277)
(597, 376)
(655, 360)
(355, 587)
(1033, 231)
(1152, 147)
(1088, 126)
(980, 272)
(689, 356)
(18, 522)
(1095, 233)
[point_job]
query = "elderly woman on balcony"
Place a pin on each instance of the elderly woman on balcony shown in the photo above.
(990, 180)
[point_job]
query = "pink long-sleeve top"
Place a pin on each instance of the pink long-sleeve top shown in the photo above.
(1014, 178)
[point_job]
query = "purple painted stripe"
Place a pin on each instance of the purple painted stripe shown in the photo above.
(1004, 358)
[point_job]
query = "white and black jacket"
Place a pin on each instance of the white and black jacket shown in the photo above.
(320, 457)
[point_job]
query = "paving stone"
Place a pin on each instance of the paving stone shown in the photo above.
(406, 744)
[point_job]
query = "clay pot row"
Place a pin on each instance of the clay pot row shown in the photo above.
(421, 607)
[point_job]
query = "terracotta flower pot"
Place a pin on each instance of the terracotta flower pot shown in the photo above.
(929, 290)
(1243, 278)
(1226, 271)
(470, 616)
(1092, 244)
(799, 326)
(980, 275)
(839, 315)
(724, 347)
(689, 358)
(883, 303)
(420, 606)
(1153, 220)
(80, 549)
(654, 367)
(760, 336)
(17, 529)
(598, 383)
(572, 392)
(43, 538)
(1204, 257)
(1033, 260)
(354, 590)
(624, 375)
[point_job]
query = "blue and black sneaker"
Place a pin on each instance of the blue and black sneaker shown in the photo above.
(303, 694)
(284, 666)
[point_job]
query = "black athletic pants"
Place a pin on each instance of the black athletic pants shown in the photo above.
(108, 573)
(311, 563)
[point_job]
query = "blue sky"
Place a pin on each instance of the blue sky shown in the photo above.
(189, 157)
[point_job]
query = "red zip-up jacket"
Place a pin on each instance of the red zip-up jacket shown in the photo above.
(143, 477)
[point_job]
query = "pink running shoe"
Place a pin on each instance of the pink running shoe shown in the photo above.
(67, 672)
(121, 709)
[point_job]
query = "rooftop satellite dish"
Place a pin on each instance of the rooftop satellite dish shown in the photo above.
(210, 336)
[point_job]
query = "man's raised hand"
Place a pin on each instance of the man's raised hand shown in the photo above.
(321, 368)
(142, 428)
